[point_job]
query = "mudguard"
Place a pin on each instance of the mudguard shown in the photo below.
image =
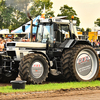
(69, 43)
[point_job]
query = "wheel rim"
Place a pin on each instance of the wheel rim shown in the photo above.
(37, 69)
(86, 64)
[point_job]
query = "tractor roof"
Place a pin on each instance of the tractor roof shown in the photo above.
(57, 20)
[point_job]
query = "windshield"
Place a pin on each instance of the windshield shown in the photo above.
(62, 33)
(45, 32)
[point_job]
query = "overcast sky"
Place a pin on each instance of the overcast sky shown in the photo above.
(87, 10)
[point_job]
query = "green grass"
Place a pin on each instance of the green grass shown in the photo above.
(50, 86)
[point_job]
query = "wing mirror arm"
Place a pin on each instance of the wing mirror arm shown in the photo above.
(23, 28)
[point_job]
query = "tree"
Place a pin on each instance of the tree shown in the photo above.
(97, 22)
(17, 19)
(69, 11)
(20, 5)
(82, 30)
(11, 18)
(2, 7)
(88, 30)
(38, 7)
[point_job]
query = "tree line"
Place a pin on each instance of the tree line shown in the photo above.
(12, 18)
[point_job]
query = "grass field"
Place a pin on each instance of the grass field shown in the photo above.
(50, 86)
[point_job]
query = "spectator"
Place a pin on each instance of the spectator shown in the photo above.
(4, 42)
(23, 40)
(96, 43)
(92, 43)
(27, 40)
(8, 40)
(33, 40)
(1, 45)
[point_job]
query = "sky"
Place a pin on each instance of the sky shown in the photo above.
(87, 10)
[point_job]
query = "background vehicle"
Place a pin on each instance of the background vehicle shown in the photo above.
(51, 53)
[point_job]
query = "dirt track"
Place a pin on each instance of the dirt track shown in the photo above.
(74, 95)
(89, 93)
(63, 94)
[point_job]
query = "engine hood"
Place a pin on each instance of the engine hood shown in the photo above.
(27, 44)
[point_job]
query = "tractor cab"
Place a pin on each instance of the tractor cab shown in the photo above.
(55, 31)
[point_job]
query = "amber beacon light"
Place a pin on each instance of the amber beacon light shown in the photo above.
(72, 17)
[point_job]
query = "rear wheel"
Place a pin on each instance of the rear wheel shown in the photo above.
(81, 63)
(34, 68)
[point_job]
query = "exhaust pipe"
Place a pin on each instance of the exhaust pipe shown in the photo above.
(31, 29)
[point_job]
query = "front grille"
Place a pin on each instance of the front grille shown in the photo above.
(10, 44)
(11, 53)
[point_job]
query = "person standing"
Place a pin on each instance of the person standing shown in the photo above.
(97, 43)
(92, 43)
(1, 45)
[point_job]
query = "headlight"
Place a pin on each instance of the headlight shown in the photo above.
(21, 55)
(10, 48)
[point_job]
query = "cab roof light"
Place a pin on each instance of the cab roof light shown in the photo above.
(72, 17)
(51, 17)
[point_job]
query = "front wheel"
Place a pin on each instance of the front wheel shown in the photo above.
(34, 68)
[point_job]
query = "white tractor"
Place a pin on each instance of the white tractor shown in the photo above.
(51, 52)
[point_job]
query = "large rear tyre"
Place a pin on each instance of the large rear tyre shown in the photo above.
(34, 68)
(80, 63)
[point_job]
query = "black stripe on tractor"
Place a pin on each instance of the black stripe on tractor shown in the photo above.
(33, 48)
(38, 48)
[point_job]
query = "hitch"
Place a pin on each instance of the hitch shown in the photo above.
(6, 65)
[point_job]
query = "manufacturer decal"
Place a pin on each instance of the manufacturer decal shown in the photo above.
(83, 59)
(36, 65)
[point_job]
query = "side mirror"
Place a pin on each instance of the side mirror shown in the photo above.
(83, 33)
(55, 27)
(87, 32)
(23, 28)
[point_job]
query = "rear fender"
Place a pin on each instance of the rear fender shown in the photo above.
(72, 42)
(84, 42)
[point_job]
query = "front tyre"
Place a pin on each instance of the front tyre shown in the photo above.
(34, 68)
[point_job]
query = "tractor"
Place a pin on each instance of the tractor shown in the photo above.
(56, 50)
